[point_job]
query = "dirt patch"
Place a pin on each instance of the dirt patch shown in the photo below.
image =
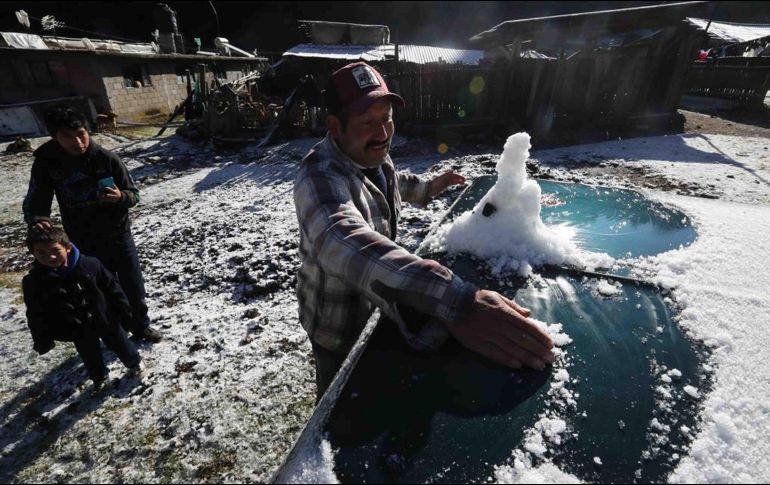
(752, 123)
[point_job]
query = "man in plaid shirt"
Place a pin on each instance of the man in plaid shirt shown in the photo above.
(348, 196)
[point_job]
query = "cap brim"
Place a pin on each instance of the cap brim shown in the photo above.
(363, 103)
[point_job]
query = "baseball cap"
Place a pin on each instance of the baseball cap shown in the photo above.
(359, 85)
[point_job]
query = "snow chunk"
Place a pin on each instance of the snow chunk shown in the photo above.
(598, 461)
(692, 392)
(535, 445)
(554, 330)
(675, 373)
(505, 226)
(552, 429)
(605, 288)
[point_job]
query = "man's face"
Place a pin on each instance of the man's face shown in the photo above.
(73, 142)
(51, 254)
(366, 140)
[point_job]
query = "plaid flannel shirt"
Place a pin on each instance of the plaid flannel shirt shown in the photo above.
(350, 262)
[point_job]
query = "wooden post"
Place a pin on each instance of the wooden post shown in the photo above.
(202, 84)
(188, 111)
(513, 65)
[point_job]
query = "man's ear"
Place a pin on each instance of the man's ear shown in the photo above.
(69, 247)
(334, 125)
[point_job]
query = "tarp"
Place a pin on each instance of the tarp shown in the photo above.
(335, 33)
(19, 40)
(731, 33)
(99, 45)
(20, 120)
(417, 54)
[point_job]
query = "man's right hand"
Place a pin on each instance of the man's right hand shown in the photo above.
(43, 226)
(499, 329)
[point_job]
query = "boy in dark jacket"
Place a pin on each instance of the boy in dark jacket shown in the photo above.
(73, 298)
(94, 192)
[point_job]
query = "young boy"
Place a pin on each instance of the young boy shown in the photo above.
(71, 297)
(94, 192)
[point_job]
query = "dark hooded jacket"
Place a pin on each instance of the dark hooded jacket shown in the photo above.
(75, 181)
(64, 303)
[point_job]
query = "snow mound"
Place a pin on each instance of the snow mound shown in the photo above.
(523, 471)
(505, 227)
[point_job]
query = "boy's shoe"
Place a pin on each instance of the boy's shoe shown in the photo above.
(99, 384)
(149, 334)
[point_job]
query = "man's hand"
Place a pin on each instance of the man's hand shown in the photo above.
(112, 195)
(446, 179)
(499, 329)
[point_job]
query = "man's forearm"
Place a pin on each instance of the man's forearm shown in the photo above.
(387, 274)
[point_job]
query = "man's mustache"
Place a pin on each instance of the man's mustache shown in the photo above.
(377, 143)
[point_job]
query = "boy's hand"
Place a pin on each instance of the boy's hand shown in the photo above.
(43, 226)
(112, 195)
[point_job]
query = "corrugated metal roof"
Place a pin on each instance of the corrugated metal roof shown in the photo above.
(417, 54)
(367, 53)
(584, 24)
(423, 54)
(730, 32)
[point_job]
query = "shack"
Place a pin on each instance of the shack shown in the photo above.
(598, 72)
(131, 80)
(735, 62)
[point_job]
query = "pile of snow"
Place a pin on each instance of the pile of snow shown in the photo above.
(524, 471)
(505, 227)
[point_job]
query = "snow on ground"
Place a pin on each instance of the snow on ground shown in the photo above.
(230, 387)
(720, 283)
(726, 167)
(228, 390)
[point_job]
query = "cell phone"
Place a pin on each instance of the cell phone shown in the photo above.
(105, 183)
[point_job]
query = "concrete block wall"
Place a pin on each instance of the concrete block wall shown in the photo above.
(131, 103)
(162, 96)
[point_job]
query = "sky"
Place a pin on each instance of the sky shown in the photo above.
(271, 27)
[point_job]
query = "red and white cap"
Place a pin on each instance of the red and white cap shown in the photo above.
(359, 85)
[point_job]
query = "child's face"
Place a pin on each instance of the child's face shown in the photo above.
(74, 142)
(51, 254)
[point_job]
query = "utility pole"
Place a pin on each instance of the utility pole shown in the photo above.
(216, 17)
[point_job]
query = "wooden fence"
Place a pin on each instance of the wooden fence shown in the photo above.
(743, 79)
(592, 90)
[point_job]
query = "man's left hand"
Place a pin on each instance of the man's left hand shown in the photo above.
(112, 195)
(446, 179)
